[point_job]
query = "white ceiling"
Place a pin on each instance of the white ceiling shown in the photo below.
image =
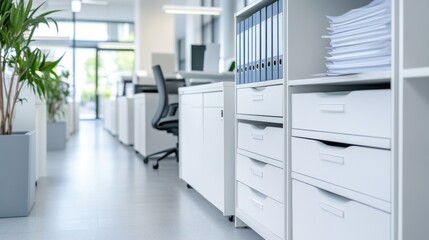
(114, 10)
(66, 3)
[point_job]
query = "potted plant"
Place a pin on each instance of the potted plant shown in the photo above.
(57, 92)
(21, 66)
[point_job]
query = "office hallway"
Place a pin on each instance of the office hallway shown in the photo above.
(98, 189)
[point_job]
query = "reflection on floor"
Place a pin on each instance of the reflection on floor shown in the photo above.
(99, 189)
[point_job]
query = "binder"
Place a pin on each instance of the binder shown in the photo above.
(242, 72)
(246, 51)
(253, 48)
(275, 40)
(263, 44)
(269, 42)
(250, 49)
(257, 18)
(281, 40)
(237, 54)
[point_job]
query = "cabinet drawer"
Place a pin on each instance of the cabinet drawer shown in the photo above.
(350, 167)
(321, 215)
(261, 208)
(261, 176)
(213, 99)
(261, 139)
(193, 100)
(364, 113)
(264, 101)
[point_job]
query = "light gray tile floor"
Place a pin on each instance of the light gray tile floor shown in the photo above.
(98, 189)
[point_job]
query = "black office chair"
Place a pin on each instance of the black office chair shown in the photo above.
(166, 115)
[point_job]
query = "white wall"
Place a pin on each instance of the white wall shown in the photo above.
(154, 32)
(190, 27)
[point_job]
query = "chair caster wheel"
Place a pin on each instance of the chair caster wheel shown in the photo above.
(146, 160)
(155, 166)
(188, 186)
(231, 218)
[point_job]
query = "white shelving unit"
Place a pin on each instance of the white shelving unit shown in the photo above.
(261, 168)
(381, 199)
(331, 191)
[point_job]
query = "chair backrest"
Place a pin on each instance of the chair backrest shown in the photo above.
(162, 108)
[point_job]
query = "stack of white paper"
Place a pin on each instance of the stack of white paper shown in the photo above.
(360, 40)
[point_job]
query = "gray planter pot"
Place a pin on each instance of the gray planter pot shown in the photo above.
(56, 136)
(17, 174)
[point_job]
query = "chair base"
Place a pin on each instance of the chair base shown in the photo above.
(166, 153)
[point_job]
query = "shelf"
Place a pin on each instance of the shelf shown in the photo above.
(251, 8)
(416, 72)
(356, 196)
(367, 78)
(260, 84)
(256, 118)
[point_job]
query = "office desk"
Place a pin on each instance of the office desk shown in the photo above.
(206, 131)
(126, 120)
(148, 140)
(200, 77)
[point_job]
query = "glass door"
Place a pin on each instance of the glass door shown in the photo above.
(112, 66)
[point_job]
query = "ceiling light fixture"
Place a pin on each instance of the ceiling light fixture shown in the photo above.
(193, 10)
(76, 5)
(116, 45)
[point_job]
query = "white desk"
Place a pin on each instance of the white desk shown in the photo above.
(148, 140)
(126, 120)
(198, 77)
(206, 127)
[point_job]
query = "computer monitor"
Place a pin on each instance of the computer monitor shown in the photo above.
(197, 57)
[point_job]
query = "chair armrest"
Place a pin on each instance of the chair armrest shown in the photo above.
(172, 109)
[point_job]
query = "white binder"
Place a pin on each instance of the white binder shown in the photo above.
(242, 55)
(246, 49)
(275, 40)
(257, 17)
(281, 40)
(264, 44)
(251, 49)
(237, 55)
(269, 42)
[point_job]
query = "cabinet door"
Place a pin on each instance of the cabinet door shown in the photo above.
(213, 165)
(191, 135)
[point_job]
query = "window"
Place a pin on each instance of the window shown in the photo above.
(210, 24)
(181, 56)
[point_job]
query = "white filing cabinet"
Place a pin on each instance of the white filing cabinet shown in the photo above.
(261, 130)
(206, 130)
(359, 142)
(126, 120)
(148, 140)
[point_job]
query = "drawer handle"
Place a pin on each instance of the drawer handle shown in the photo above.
(257, 173)
(258, 136)
(331, 158)
(257, 98)
(331, 209)
(257, 204)
(258, 89)
(332, 108)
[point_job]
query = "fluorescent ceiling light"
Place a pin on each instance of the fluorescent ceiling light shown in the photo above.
(76, 5)
(115, 45)
(174, 9)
